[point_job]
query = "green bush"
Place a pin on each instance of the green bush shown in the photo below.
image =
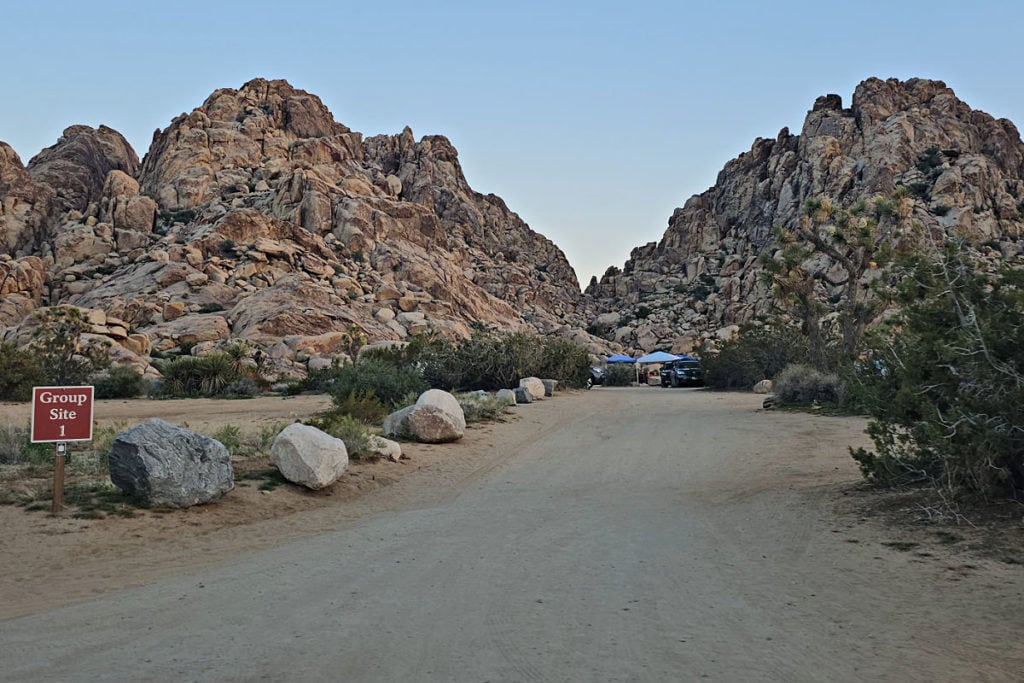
(481, 407)
(488, 361)
(231, 437)
(757, 353)
(322, 380)
(16, 447)
(120, 381)
(801, 384)
(246, 387)
(945, 389)
(356, 435)
(619, 375)
(375, 379)
(367, 409)
(564, 361)
(20, 370)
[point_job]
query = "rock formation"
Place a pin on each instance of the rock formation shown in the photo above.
(694, 286)
(257, 216)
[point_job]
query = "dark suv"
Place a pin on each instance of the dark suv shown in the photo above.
(685, 372)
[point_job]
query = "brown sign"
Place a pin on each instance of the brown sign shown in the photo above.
(61, 414)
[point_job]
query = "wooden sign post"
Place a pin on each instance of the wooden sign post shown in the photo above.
(60, 415)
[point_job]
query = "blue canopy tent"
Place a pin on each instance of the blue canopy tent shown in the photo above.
(656, 357)
(619, 358)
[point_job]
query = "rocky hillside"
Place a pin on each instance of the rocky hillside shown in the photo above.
(257, 216)
(693, 287)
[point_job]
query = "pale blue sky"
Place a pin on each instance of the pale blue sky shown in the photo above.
(593, 120)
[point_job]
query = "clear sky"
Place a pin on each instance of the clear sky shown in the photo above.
(593, 120)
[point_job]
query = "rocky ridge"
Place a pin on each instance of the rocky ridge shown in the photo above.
(697, 284)
(259, 217)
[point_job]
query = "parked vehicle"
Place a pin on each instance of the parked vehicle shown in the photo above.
(596, 377)
(685, 372)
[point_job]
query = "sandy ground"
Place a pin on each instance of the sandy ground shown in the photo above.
(89, 557)
(617, 534)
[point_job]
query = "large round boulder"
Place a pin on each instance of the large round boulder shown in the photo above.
(308, 456)
(165, 465)
(436, 417)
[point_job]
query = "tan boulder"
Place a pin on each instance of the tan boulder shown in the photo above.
(388, 293)
(196, 279)
(138, 344)
(173, 310)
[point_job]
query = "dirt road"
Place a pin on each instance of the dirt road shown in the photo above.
(618, 535)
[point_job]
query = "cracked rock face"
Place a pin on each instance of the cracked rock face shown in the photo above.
(963, 167)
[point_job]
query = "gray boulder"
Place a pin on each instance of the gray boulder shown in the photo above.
(522, 395)
(534, 386)
(397, 423)
(308, 456)
(436, 417)
(549, 387)
(165, 465)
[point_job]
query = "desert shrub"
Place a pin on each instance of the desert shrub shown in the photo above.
(564, 361)
(96, 457)
(479, 407)
(757, 353)
(260, 442)
(20, 370)
(356, 435)
(488, 361)
(231, 437)
(205, 375)
(374, 379)
(321, 380)
(945, 389)
(483, 361)
(800, 384)
(16, 447)
(120, 381)
(619, 375)
(246, 387)
(367, 409)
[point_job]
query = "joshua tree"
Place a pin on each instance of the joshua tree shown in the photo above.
(858, 240)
